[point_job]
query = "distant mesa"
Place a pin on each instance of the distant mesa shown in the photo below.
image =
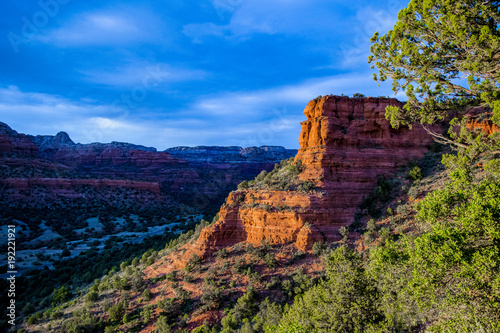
(206, 171)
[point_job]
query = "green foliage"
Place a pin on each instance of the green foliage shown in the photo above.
(61, 295)
(385, 234)
(222, 253)
(146, 314)
(147, 295)
(211, 298)
(282, 178)
(194, 262)
(116, 312)
(381, 193)
(433, 43)
(345, 302)
(168, 305)
(243, 185)
(415, 173)
(307, 186)
(270, 260)
(244, 308)
(126, 318)
(32, 320)
(239, 266)
(137, 283)
(389, 211)
(368, 236)
(123, 266)
(92, 297)
(318, 248)
(162, 325)
(371, 225)
(344, 232)
(82, 321)
(450, 273)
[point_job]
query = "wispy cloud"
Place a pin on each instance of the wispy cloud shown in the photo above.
(106, 28)
(355, 49)
(260, 117)
(270, 17)
(245, 103)
(131, 74)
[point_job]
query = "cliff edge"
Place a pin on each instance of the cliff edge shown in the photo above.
(345, 145)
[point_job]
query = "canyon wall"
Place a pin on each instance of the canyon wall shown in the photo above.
(345, 145)
(196, 176)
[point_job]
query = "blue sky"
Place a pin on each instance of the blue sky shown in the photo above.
(170, 73)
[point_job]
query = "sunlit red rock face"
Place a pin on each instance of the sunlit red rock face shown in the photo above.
(346, 143)
(485, 126)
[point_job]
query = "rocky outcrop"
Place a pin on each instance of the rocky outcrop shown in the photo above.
(345, 144)
(49, 142)
(15, 144)
(214, 155)
(485, 126)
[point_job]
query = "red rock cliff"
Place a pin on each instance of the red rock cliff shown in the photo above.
(346, 143)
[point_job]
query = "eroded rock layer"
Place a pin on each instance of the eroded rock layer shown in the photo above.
(345, 145)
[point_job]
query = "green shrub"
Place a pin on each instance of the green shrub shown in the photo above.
(415, 173)
(307, 186)
(116, 312)
(146, 314)
(147, 295)
(126, 318)
(371, 225)
(413, 192)
(318, 248)
(91, 297)
(344, 232)
(162, 325)
(32, 320)
(222, 253)
(243, 185)
(345, 302)
(194, 262)
(61, 295)
(385, 234)
(403, 210)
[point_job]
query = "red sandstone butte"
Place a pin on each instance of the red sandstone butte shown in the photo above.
(345, 144)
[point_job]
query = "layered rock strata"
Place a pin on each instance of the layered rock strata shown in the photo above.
(188, 173)
(345, 145)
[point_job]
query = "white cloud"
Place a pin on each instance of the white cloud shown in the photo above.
(243, 104)
(355, 49)
(143, 74)
(301, 17)
(106, 28)
(244, 118)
